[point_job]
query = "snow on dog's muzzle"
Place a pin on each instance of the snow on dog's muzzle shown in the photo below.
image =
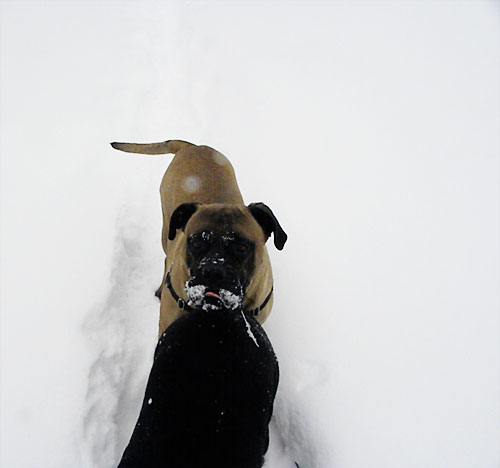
(208, 298)
(215, 284)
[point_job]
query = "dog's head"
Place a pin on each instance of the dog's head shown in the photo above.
(223, 246)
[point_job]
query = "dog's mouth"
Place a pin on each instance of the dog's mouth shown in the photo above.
(212, 294)
(208, 298)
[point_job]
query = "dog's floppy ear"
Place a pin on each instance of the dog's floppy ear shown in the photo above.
(265, 217)
(180, 217)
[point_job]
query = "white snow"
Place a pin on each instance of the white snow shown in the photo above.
(207, 306)
(249, 330)
(195, 293)
(230, 300)
(215, 260)
(206, 236)
(370, 129)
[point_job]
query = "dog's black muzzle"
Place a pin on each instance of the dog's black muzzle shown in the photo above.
(215, 283)
(216, 274)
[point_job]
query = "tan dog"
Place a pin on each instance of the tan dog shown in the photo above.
(214, 244)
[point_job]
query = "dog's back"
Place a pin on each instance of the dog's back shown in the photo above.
(209, 397)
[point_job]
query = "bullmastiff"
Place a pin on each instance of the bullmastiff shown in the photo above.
(215, 253)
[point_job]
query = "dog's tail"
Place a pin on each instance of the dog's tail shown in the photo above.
(165, 147)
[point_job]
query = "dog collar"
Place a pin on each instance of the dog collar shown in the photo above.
(183, 305)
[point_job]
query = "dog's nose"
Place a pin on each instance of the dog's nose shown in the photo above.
(214, 273)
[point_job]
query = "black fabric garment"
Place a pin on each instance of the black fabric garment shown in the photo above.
(209, 397)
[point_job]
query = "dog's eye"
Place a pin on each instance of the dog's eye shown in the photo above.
(199, 243)
(241, 248)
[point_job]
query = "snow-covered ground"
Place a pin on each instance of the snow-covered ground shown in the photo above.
(370, 128)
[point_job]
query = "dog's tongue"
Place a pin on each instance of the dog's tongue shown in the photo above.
(212, 294)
